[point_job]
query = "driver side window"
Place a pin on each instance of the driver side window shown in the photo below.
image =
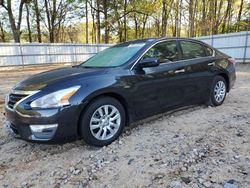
(164, 52)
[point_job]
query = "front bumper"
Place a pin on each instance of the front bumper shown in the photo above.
(45, 125)
(232, 76)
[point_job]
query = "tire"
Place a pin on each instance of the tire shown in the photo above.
(104, 114)
(218, 91)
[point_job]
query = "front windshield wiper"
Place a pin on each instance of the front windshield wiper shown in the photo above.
(97, 67)
(86, 67)
(79, 66)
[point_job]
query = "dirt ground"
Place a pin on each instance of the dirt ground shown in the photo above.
(195, 146)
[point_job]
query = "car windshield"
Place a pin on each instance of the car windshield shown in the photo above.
(114, 56)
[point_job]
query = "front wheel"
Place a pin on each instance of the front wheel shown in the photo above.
(218, 91)
(102, 122)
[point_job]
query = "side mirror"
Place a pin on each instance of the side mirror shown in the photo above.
(149, 62)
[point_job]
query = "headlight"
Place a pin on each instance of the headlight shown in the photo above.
(55, 99)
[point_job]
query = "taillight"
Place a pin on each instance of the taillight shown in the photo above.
(232, 61)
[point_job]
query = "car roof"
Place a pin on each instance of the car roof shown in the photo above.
(153, 40)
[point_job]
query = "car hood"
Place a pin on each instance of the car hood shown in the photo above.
(41, 80)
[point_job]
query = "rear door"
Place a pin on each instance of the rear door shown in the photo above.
(160, 87)
(197, 61)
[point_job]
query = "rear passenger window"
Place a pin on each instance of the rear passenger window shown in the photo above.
(192, 50)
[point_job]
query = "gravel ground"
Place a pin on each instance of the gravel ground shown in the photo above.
(195, 146)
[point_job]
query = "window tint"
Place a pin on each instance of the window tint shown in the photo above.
(164, 51)
(192, 50)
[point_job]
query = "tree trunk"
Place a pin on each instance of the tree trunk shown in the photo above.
(53, 18)
(214, 17)
(191, 18)
(211, 16)
(165, 15)
(179, 29)
(92, 11)
(218, 19)
(28, 21)
(48, 20)
(229, 4)
(119, 31)
(2, 33)
(203, 22)
(239, 15)
(52, 15)
(229, 20)
(14, 28)
(173, 27)
(87, 21)
(106, 23)
(157, 25)
(195, 11)
(98, 24)
(125, 19)
(136, 26)
(176, 22)
(163, 20)
(145, 19)
(37, 12)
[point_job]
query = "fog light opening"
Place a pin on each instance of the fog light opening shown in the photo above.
(43, 132)
(43, 128)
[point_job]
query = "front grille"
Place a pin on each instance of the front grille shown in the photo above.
(14, 98)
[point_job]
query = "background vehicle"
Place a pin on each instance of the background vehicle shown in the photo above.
(122, 84)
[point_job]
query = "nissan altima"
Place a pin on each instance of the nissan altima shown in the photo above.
(95, 100)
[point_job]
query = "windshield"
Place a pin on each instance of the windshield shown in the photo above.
(114, 56)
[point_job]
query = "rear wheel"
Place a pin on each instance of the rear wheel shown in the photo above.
(218, 91)
(103, 121)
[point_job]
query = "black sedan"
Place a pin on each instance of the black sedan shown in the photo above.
(124, 83)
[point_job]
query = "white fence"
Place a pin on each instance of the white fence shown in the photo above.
(236, 45)
(34, 53)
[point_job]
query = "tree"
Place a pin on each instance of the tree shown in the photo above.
(239, 14)
(87, 21)
(226, 17)
(166, 8)
(104, 21)
(2, 35)
(98, 22)
(28, 21)
(15, 27)
(56, 12)
(3, 16)
(37, 16)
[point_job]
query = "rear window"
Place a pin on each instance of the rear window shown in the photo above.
(192, 50)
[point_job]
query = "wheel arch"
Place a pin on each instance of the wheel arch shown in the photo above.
(226, 77)
(117, 96)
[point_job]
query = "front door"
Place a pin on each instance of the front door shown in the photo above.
(198, 62)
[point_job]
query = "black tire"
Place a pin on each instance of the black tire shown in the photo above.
(212, 101)
(85, 130)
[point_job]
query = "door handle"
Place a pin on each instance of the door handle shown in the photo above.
(211, 64)
(179, 71)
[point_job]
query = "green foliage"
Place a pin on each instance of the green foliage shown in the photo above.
(122, 20)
